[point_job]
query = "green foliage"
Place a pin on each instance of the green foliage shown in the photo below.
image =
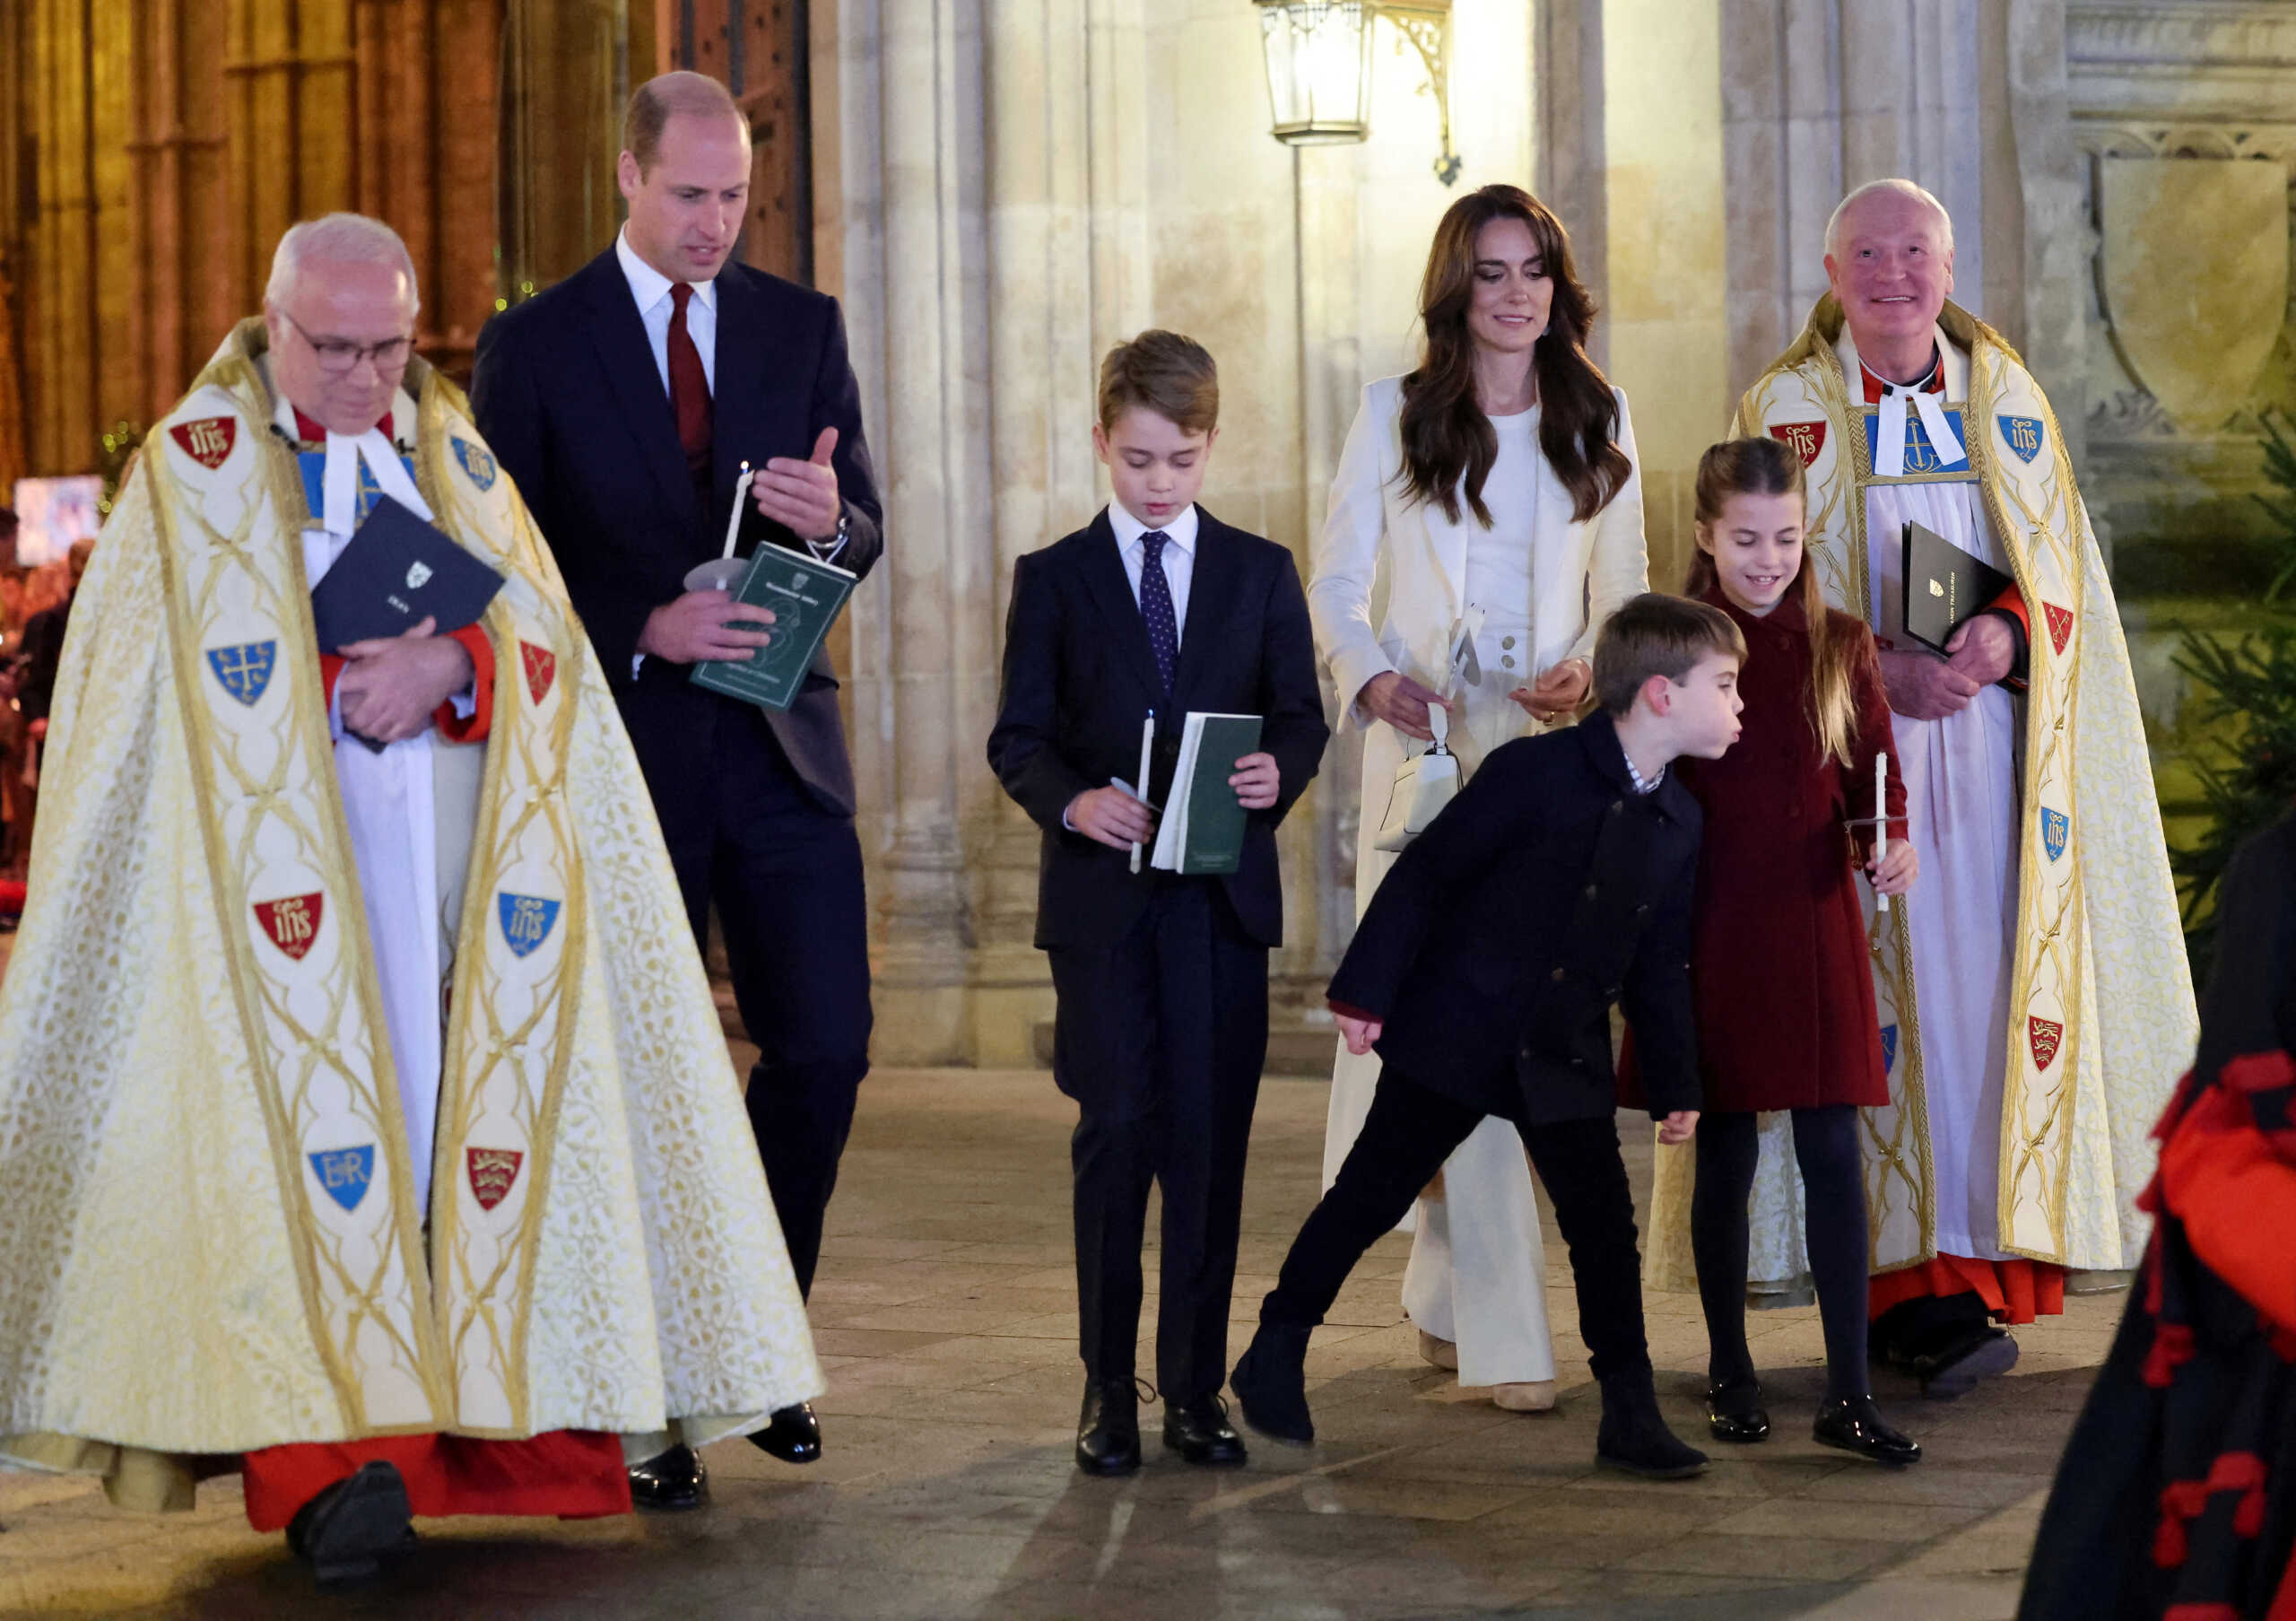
(119, 443)
(2246, 768)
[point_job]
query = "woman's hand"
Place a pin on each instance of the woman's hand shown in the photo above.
(1678, 1127)
(1557, 692)
(1402, 703)
(1358, 1033)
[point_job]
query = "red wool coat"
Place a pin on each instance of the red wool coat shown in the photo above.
(1782, 979)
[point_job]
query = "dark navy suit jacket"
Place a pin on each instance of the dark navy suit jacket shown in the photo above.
(1079, 677)
(567, 395)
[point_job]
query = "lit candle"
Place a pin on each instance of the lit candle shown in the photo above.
(741, 498)
(1881, 822)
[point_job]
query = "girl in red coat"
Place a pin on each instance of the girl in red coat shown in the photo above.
(1784, 991)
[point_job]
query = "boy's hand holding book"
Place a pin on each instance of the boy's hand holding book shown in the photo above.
(1113, 817)
(1256, 782)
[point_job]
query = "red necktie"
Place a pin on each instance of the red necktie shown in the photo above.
(689, 389)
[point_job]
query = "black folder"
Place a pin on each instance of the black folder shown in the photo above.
(397, 572)
(1944, 585)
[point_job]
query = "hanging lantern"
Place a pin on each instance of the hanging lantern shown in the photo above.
(1318, 69)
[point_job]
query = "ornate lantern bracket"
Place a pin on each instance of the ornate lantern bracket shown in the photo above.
(1318, 57)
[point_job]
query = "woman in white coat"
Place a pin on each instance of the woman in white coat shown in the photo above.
(1490, 498)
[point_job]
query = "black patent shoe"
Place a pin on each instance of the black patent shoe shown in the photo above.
(1960, 1366)
(1271, 1384)
(346, 1532)
(1735, 1414)
(1198, 1430)
(1852, 1424)
(1107, 1428)
(795, 1436)
(670, 1481)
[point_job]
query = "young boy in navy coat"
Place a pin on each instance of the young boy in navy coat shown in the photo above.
(1161, 980)
(1558, 884)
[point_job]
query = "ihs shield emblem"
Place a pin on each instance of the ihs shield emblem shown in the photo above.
(476, 462)
(345, 1173)
(2054, 825)
(2047, 1035)
(208, 441)
(1805, 439)
(291, 922)
(244, 671)
(541, 666)
(491, 1172)
(527, 921)
(2022, 435)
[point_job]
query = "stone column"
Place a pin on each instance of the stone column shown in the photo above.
(917, 233)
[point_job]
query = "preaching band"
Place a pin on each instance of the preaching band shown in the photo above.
(1890, 924)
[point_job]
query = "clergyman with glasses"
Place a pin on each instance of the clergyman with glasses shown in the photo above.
(370, 1124)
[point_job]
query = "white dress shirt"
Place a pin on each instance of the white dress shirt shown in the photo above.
(1178, 555)
(651, 289)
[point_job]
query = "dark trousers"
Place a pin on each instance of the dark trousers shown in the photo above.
(1833, 1186)
(785, 876)
(1160, 1038)
(1409, 1133)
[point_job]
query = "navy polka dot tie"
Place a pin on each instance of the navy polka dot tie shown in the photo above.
(1156, 606)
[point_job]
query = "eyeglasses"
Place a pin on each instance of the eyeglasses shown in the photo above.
(338, 356)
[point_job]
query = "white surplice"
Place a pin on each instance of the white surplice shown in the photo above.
(1961, 782)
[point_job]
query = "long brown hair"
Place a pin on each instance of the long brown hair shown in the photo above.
(1765, 466)
(1448, 444)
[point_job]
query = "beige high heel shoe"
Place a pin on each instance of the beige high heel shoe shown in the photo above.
(1537, 1396)
(1437, 1353)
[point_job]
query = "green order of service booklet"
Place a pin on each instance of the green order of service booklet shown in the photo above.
(807, 595)
(1203, 828)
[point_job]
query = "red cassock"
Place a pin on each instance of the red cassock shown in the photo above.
(1781, 975)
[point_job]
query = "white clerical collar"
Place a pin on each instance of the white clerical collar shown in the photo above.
(1180, 532)
(1899, 398)
(339, 479)
(648, 285)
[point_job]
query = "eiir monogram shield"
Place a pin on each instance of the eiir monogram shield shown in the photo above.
(1889, 1048)
(291, 922)
(527, 920)
(244, 670)
(345, 1173)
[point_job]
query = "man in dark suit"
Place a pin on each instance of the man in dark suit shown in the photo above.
(623, 401)
(1557, 885)
(1161, 980)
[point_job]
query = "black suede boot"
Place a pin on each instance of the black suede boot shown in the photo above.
(1271, 1383)
(1634, 1436)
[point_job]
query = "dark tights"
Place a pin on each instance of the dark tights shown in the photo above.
(1833, 1184)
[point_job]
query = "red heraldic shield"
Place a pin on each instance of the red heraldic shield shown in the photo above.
(2047, 1036)
(542, 668)
(291, 922)
(1805, 439)
(207, 442)
(2060, 625)
(492, 1171)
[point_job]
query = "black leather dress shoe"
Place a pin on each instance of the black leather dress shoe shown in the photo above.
(1271, 1384)
(670, 1481)
(346, 1532)
(1198, 1430)
(1107, 1428)
(1736, 1415)
(795, 1436)
(1853, 1424)
(1960, 1366)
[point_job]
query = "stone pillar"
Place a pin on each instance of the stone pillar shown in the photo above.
(912, 186)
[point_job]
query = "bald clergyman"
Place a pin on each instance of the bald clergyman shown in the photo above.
(2035, 1002)
(365, 1123)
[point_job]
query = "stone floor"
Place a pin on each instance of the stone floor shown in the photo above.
(945, 1316)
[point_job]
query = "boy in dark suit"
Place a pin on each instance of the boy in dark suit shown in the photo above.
(1161, 980)
(1558, 884)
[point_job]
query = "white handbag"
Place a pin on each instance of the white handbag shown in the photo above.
(1423, 786)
